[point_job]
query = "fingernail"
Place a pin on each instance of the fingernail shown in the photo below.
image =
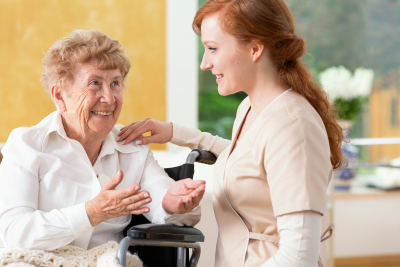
(137, 188)
(146, 195)
(146, 210)
(138, 142)
(148, 200)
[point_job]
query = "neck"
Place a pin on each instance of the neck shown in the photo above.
(266, 87)
(91, 142)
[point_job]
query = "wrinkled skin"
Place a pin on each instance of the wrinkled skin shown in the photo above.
(95, 90)
(92, 90)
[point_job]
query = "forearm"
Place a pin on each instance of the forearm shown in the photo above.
(299, 243)
(195, 139)
(24, 228)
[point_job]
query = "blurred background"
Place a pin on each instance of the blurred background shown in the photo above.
(353, 49)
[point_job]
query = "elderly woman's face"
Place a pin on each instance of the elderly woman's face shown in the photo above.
(93, 100)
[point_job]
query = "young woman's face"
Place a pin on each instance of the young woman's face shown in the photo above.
(230, 62)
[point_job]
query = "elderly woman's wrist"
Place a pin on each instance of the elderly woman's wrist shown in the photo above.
(94, 217)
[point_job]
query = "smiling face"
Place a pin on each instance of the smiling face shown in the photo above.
(91, 103)
(230, 62)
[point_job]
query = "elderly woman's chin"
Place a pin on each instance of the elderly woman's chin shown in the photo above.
(103, 123)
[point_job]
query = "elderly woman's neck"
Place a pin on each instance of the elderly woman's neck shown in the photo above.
(90, 141)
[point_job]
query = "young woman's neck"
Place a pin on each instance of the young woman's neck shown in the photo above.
(265, 88)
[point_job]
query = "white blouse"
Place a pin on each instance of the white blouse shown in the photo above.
(46, 178)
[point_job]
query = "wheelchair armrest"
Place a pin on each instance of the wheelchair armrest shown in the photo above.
(166, 232)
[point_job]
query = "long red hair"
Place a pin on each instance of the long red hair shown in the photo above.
(271, 22)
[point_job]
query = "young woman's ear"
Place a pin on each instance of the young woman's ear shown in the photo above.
(257, 49)
(58, 99)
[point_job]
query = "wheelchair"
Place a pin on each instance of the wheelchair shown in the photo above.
(161, 244)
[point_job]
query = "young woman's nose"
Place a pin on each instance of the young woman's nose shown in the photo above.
(206, 63)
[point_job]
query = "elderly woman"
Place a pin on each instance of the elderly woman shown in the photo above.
(67, 180)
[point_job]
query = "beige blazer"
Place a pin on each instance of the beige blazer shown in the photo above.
(282, 165)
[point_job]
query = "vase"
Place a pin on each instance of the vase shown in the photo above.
(344, 177)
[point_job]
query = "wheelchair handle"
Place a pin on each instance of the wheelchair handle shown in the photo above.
(201, 156)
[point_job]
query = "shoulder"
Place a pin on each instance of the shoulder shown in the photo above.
(129, 148)
(25, 143)
(293, 119)
(294, 111)
(30, 137)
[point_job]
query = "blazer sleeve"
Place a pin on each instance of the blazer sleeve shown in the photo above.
(297, 163)
(195, 139)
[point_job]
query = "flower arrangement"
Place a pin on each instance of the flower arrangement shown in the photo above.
(347, 92)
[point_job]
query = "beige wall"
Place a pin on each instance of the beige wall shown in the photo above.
(381, 126)
(28, 28)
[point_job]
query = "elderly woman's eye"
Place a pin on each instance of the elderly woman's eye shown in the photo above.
(115, 83)
(94, 83)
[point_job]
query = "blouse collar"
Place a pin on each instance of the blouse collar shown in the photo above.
(110, 144)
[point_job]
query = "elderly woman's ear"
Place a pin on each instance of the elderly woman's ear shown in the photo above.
(57, 95)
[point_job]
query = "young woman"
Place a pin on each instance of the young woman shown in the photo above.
(271, 179)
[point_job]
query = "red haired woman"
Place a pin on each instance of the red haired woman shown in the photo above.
(271, 179)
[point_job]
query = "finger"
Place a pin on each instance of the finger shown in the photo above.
(197, 196)
(188, 204)
(135, 198)
(140, 211)
(129, 130)
(138, 204)
(193, 184)
(130, 191)
(147, 140)
(113, 182)
(123, 129)
(131, 127)
(134, 132)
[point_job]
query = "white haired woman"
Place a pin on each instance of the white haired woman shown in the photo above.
(67, 180)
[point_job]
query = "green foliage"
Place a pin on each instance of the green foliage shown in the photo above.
(350, 109)
(217, 112)
(351, 33)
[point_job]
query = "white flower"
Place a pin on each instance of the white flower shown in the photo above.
(339, 82)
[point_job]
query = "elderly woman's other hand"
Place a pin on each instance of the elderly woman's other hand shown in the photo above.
(111, 202)
(161, 132)
(183, 196)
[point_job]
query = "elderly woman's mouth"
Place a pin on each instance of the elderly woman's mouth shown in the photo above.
(102, 113)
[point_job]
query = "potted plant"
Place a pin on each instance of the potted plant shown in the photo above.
(347, 93)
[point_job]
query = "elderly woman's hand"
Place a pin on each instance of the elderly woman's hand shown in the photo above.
(183, 196)
(111, 202)
(161, 132)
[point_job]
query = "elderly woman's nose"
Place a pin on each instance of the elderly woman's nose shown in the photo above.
(205, 63)
(107, 95)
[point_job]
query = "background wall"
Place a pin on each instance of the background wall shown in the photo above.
(29, 28)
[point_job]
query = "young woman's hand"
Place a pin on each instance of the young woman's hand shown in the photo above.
(111, 202)
(183, 196)
(161, 132)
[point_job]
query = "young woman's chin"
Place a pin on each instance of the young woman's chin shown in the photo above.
(223, 91)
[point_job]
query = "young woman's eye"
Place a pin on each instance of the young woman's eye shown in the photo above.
(213, 49)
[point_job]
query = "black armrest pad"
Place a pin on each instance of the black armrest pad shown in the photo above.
(166, 232)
